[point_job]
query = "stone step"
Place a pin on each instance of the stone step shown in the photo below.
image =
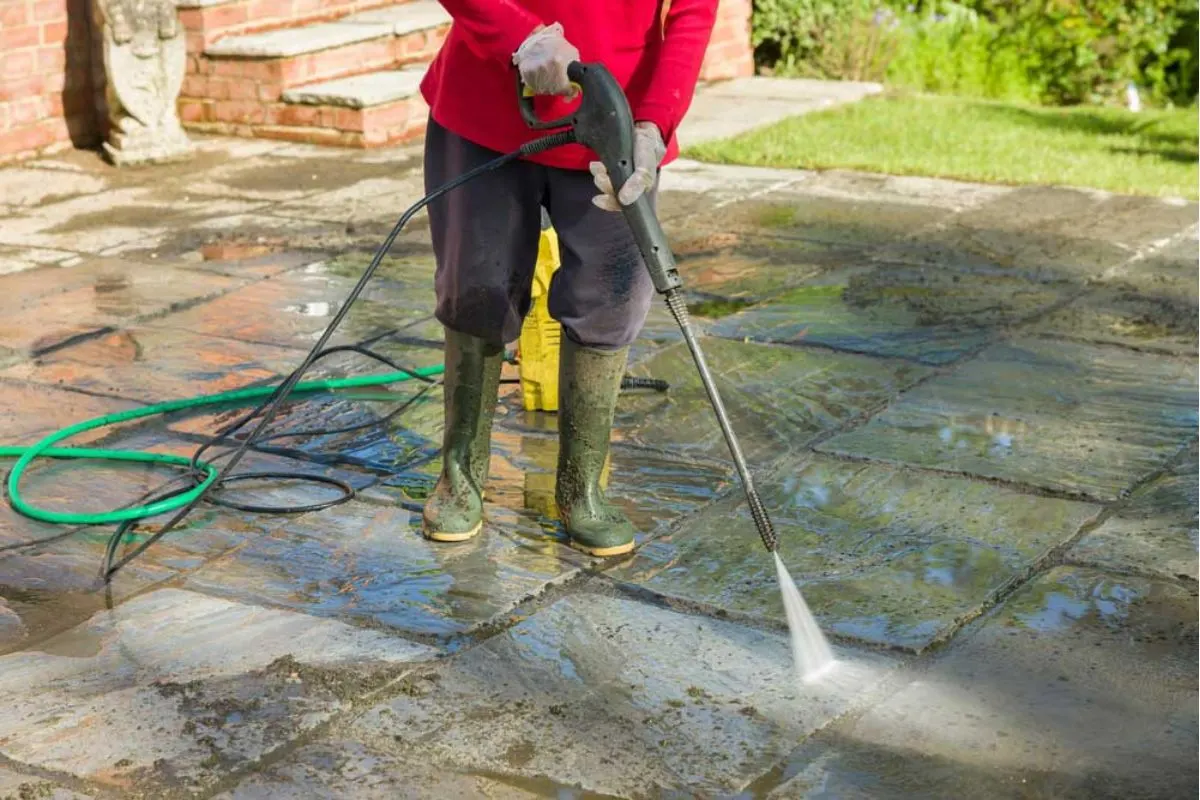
(368, 110)
(261, 66)
(206, 21)
(238, 84)
(360, 91)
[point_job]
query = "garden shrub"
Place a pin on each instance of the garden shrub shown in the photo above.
(1056, 51)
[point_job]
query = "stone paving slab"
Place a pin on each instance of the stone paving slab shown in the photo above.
(1063, 416)
(175, 688)
(269, 179)
(155, 365)
(1124, 316)
(885, 555)
(1082, 686)
(126, 215)
(370, 562)
(933, 315)
(24, 188)
(795, 213)
(384, 198)
(1164, 272)
(247, 260)
(621, 698)
(755, 268)
(1155, 534)
(687, 187)
(293, 309)
(99, 294)
(56, 584)
(338, 769)
(29, 412)
(1067, 232)
(777, 398)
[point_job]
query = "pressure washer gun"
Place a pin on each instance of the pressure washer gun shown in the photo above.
(603, 123)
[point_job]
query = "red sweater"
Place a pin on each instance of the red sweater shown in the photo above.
(471, 89)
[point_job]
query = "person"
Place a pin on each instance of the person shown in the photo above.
(485, 233)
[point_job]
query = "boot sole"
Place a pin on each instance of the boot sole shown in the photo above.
(603, 552)
(447, 536)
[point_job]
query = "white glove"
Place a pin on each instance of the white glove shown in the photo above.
(542, 60)
(648, 152)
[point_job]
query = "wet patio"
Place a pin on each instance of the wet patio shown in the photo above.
(972, 413)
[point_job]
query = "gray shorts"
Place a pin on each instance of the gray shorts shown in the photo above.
(485, 238)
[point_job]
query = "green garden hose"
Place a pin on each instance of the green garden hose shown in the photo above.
(45, 448)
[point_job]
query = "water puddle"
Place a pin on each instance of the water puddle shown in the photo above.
(810, 652)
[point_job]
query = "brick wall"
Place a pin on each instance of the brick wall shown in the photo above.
(46, 95)
(730, 54)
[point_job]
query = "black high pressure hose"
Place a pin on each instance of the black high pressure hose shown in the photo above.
(268, 409)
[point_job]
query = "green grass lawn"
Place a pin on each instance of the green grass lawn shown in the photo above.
(1150, 153)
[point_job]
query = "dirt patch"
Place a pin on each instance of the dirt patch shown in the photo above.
(344, 684)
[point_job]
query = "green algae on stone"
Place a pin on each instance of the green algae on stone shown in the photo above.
(881, 554)
(1065, 416)
(715, 309)
(816, 218)
(777, 398)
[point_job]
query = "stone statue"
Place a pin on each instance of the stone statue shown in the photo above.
(145, 56)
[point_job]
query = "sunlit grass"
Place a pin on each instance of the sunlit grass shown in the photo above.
(1148, 153)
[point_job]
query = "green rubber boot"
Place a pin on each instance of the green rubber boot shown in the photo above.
(454, 512)
(589, 382)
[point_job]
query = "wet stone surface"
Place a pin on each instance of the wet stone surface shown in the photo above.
(1083, 685)
(153, 365)
(778, 398)
(100, 294)
(798, 214)
(53, 585)
(375, 443)
(1168, 272)
(933, 315)
(29, 412)
(1027, 228)
(881, 554)
(251, 679)
(293, 309)
(1064, 416)
(174, 687)
(369, 561)
(1155, 534)
(1159, 321)
(747, 267)
(618, 697)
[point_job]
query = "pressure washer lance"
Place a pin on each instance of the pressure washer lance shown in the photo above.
(604, 123)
